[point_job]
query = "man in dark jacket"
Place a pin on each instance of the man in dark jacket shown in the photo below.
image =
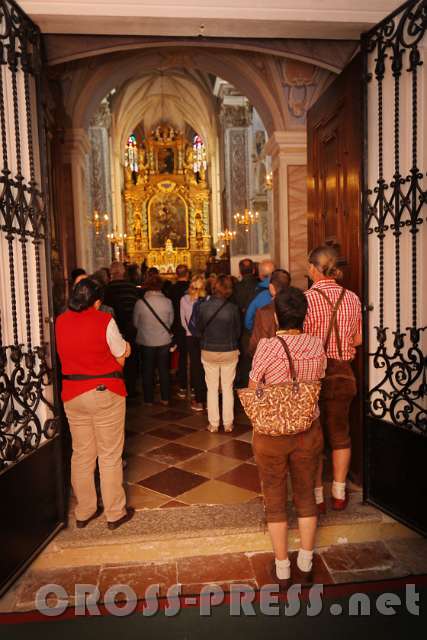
(245, 288)
(121, 295)
(244, 292)
(177, 290)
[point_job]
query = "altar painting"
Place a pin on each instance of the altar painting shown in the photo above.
(167, 220)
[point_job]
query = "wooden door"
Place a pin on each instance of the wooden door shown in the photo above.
(334, 132)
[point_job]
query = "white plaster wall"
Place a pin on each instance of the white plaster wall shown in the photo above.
(273, 18)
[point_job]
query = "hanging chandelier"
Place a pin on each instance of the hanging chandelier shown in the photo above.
(246, 219)
(226, 236)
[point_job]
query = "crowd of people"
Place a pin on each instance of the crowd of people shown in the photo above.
(218, 334)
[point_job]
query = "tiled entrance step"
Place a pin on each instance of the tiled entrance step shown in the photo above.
(336, 564)
(157, 535)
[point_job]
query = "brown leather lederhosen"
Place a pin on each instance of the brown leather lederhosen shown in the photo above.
(338, 387)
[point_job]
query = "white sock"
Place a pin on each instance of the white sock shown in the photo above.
(283, 569)
(305, 560)
(318, 495)
(338, 490)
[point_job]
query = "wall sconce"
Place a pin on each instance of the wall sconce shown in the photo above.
(98, 221)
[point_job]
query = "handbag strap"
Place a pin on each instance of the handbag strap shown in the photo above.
(164, 325)
(333, 324)
(213, 316)
(291, 362)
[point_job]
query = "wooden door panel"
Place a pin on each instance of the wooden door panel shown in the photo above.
(334, 137)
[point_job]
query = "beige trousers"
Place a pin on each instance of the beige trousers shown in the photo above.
(220, 366)
(97, 425)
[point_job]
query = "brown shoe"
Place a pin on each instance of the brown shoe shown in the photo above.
(130, 512)
(81, 524)
(283, 584)
(197, 406)
(304, 578)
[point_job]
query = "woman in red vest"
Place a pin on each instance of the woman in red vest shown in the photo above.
(92, 353)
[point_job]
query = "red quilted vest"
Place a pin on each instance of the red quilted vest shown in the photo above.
(82, 347)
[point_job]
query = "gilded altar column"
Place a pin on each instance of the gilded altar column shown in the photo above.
(288, 151)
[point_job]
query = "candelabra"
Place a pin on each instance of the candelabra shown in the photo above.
(246, 219)
(268, 184)
(225, 237)
(98, 220)
(117, 240)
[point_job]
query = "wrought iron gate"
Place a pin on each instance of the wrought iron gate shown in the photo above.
(395, 207)
(31, 502)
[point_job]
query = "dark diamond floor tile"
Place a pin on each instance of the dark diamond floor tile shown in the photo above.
(195, 420)
(171, 432)
(361, 556)
(244, 476)
(172, 482)
(240, 429)
(173, 453)
(170, 415)
(235, 449)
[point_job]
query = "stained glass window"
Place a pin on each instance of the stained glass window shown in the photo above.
(199, 155)
(131, 159)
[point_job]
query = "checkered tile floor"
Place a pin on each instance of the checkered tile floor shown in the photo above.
(172, 460)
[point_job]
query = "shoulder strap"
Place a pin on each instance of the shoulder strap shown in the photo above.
(213, 316)
(164, 325)
(333, 324)
(291, 362)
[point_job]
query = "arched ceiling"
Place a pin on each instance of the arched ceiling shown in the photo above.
(180, 97)
(256, 77)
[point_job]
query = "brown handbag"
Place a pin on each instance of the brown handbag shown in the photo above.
(281, 409)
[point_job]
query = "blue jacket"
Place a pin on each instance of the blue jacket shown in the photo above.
(261, 300)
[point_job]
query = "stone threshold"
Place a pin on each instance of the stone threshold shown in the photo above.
(156, 535)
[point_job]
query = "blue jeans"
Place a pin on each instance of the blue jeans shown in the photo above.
(155, 358)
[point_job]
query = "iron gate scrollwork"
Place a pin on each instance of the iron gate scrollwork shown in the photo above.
(395, 243)
(28, 416)
(394, 214)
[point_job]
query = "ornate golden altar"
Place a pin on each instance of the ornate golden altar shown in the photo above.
(167, 205)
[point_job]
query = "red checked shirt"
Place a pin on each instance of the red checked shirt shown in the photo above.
(271, 362)
(319, 313)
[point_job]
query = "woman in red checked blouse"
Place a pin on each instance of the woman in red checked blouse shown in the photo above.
(334, 315)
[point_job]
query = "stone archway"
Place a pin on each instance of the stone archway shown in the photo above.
(271, 83)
